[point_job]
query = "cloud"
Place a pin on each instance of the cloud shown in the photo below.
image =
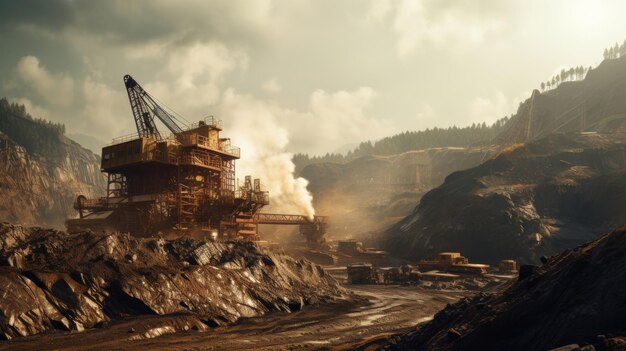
(56, 89)
(379, 9)
(271, 86)
(331, 119)
(193, 81)
(339, 118)
(426, 116)
(43, 13)
(33, 109)
(106, 112)
(210, 61)
(119, 22)
(193, 77)
(489, 109)
(438, 23)
(189, 81)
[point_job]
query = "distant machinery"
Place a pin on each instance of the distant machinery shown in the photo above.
(183, 184)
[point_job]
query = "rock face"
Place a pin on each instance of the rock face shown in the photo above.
(571, 299)
(531, 200)
(53, 280)
(35, 190)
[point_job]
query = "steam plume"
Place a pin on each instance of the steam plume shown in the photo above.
(252, 125)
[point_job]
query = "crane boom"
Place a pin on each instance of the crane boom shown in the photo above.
(145, 108)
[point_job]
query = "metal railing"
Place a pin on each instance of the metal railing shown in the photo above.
(206, 121)
(199, 159)
(258, 197)
(124, 138)
(277, 218)
(204, 142)
(232, 150)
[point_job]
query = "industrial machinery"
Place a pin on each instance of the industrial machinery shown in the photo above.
(181, 184)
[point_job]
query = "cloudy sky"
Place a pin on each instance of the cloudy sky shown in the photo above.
(314, 75)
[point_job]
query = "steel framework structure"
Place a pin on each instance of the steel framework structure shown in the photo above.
(183, 184)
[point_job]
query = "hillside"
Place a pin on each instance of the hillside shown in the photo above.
(476, 134)
(576, 297)
(41, 170)
(531, 200)
(594, 104)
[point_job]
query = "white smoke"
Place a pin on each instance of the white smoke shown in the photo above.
(252, 124)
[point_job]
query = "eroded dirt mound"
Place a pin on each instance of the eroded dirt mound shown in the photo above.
(531, 200)
(577, 297)
(54, 280)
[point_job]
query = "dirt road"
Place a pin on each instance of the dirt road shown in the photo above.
(381, 310)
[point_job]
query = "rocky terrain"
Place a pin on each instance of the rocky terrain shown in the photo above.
(39, 189)
(575, 299)
(52, 280)
(531, 200)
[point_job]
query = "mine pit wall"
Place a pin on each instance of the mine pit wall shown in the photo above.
(39, 191)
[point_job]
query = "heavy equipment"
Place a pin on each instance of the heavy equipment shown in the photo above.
(180, 184)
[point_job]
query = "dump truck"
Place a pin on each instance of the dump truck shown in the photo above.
(362, 273)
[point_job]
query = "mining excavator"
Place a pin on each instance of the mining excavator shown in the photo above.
(182, 184)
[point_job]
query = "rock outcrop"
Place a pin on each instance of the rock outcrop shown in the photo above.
(531, 200)
(52, 280)
(577, 297)
(35, 190)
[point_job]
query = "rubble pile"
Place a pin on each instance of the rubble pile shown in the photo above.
(54, 280)
(577, 297)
